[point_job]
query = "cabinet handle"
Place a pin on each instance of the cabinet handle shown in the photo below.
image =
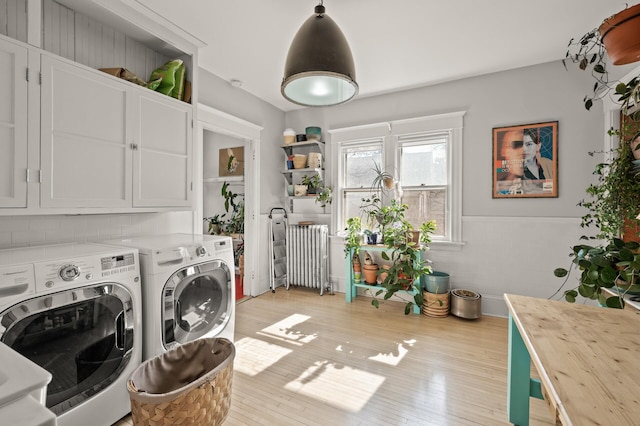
(133, 146)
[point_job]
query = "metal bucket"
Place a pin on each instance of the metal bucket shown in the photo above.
(466, 304)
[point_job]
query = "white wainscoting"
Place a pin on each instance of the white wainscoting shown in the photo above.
(500, 255)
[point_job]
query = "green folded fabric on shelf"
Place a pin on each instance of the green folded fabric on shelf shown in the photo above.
(169, 79)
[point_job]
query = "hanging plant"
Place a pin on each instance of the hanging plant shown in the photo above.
(592, 51)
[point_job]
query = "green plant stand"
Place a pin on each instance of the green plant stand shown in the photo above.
(352, 287)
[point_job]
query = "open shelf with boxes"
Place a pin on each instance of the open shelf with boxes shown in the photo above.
(303, 163)
(302, 159)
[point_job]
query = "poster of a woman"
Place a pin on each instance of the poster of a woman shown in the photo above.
(525, 161)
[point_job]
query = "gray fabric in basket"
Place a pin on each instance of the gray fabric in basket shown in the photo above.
(182, 367)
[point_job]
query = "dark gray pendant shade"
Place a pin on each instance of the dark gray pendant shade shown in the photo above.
(319, 70)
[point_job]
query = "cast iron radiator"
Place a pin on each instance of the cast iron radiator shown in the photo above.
(308, 256)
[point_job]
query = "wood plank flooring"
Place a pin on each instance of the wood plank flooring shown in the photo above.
(306, 359)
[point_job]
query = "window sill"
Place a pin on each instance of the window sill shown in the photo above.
(435, 245)
(447, 245)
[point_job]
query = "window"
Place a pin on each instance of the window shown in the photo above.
(358, 160)
(424, 154)
(424, 179)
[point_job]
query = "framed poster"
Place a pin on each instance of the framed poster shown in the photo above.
(525, 161)
(231, 161)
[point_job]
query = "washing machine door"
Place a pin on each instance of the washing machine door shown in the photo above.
(82, 336)
(197, 302)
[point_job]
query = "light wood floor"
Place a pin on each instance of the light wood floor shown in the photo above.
(306, 359)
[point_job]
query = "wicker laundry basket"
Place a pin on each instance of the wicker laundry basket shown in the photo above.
(187, 385)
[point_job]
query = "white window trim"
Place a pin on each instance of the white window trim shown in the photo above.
(452, 121)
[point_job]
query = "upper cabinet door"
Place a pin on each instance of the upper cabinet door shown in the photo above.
(85, 153)
(162, 162)
(13, 125)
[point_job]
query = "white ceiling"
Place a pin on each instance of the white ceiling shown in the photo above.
(396, 44)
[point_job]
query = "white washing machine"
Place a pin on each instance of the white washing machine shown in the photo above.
(187, 288)
(75, 310)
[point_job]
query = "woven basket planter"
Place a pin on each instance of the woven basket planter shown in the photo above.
(187, 385)
(435, 304)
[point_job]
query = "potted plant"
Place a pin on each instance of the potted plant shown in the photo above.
(234, 206)
(592, 50)
(614, 199)
(352, 242)
(313, 182)
(370, 210)
(404, 256)
(615, 265)
(216, 224)
(619, 33)
(383, 179)
(372, 236)
(353, 239)
(325, 196)
(370, 270)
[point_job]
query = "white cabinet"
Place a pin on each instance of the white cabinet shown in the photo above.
(162, 160)
(76, 140)
(13, 125)
(85, 160)
(109, 144)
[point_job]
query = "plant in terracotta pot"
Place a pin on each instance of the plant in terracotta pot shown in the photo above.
(370, 269)
(610, 41)
(619, 33)
(370, 273)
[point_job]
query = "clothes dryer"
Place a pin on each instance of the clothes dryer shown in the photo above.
(75, 310)
(187, 286)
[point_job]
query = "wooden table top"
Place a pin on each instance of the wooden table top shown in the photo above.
(588, 358)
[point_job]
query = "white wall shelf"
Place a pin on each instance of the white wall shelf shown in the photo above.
(234, 179)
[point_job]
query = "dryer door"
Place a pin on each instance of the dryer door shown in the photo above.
(197, 302)
(82, 336)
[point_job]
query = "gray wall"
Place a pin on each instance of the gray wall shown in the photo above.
(511, 245)
(219, 94)
(534, 94)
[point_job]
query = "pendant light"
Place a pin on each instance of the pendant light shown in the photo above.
(319, 70)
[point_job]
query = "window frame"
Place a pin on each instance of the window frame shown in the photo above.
(391, 133)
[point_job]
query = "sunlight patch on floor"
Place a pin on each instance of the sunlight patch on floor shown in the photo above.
(341, 386)
(286, 330)
(392, 358)
(255, 356)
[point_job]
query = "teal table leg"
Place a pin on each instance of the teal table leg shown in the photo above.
(518, 379)
(349, 287)
(349, 279)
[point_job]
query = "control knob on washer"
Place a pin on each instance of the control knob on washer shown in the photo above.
(69, 272)
(201, 251)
